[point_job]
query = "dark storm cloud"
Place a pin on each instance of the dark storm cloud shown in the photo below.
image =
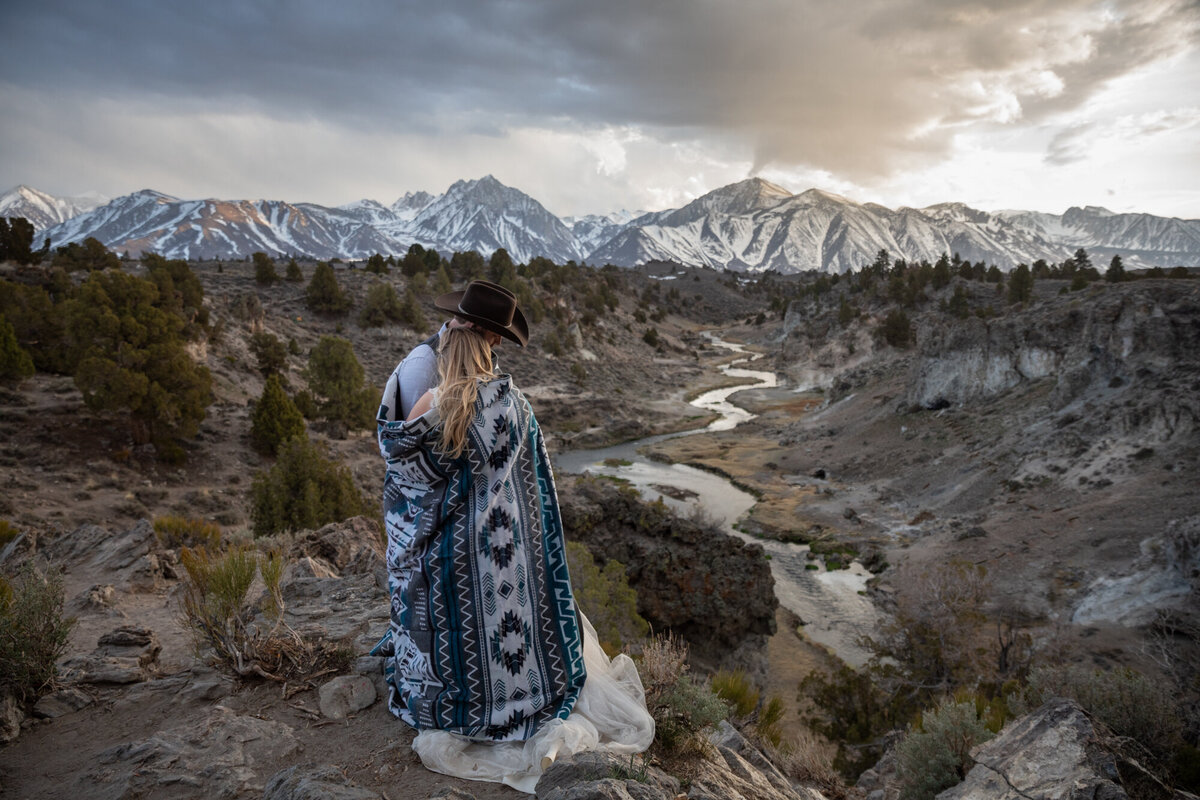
(860, 89)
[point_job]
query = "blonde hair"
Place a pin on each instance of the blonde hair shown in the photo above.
(464, 359)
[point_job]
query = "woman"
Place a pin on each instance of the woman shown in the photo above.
(488, 645)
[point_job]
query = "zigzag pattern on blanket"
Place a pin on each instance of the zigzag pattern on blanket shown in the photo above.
(483, 620)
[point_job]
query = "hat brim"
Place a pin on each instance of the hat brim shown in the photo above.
(517, 332)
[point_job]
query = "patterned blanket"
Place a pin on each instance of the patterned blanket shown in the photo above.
(486, 641)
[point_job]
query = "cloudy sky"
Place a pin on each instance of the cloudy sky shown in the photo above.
(597, 106)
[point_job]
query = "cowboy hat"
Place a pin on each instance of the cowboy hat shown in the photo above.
(489, 306)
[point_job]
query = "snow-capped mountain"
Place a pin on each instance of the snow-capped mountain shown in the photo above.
(199, 229)
(1151, 239)
(44, 210)
(593, 230)
(485, 215)
(751, 226)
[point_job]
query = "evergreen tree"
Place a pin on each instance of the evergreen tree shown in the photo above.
(1020, 285)
(16, 240)
(293, 272)
(91, 255)
(1116, 270)
(275, 419)
(15, 363)
(130, 355)
(896, 329)
(381, 306)
(413, 316)
(414, 260)
(323, 295)
(959, 305)
(941, 272)
(376, 264)
(441, 281)
(468, 266)
(339, 384)
(180, 292)
(305, 489)
(264, 269)
(270, 352)
(38, 324)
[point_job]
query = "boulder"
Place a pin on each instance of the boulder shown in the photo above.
(128, 557)
(63, 702)
(128, 654)
(350, 547)
(1050, 753)
(315, 782)
(345, 694)
(11, 717)
(352, 608)
(214, 755)
(605, 776)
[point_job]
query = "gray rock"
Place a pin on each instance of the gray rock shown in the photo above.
(128, 556)
(345, 694)
(1051, 753)
(97, 668)
(215, 755)
(205, 686)
(369, 665)
(61, 703)
(451, 794)
(352, 608)
(314, 782)
(605, 776)
(11, 717)
(728, 737)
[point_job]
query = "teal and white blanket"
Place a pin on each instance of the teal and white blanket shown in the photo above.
(486, 639)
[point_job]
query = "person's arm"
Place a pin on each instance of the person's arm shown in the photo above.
(421, 406)
(417, 375)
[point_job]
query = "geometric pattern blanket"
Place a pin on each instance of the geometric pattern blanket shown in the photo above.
(485, 638)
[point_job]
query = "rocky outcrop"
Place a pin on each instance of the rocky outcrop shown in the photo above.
(1052, 753)
(1142, 336)
(213, 755)
(128, 559)
(309, 782)
(733, 769)
(715, 591)
(128, 654)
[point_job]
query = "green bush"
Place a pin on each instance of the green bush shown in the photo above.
(323, 295)
(90, 255)
(936, 755)
(264, 270)
(36, 318)
(607, 599)
(735, 688)
(275, 419)
(896, 329)
(339, 385)
(270, 352)
(130, 351)
(15, 363)
(176, 531)
(33, 632)
(682, 706)
(381, 307)
(293, 273)
(304, 490)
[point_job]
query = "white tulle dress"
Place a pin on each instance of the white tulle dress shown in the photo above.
(610, 715)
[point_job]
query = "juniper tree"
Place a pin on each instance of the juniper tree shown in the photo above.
(1116, 270)
(323, 295)
(275, 419)
(304, 489)
(15, 363)
(338, 384)
(264, 269)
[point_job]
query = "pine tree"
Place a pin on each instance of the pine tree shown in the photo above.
(337, 380)
(275, 419)
(15, 363)
(323, 295)
(1020, 284)
(1116, 270)
(305, 489)
(293, 272)
(381, 306)
(264, 270)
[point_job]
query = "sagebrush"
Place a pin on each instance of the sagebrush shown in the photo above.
(33, 632)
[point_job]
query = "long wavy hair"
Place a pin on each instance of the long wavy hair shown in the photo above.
(464, 359)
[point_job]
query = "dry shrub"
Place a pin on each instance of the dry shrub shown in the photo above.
(175, 531)
(937, 755)
(682, 706)
(808, 758)
(735, 688)
(216, 609)
(33, 632)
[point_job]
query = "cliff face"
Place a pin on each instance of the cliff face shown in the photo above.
(713, 590)
(1133, 349)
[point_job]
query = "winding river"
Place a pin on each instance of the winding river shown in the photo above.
(832, 604)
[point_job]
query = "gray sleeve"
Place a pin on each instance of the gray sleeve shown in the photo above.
(417, 375)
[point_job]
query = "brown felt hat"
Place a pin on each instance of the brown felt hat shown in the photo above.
(489, 306)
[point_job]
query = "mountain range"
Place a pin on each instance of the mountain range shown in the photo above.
(750, 226)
